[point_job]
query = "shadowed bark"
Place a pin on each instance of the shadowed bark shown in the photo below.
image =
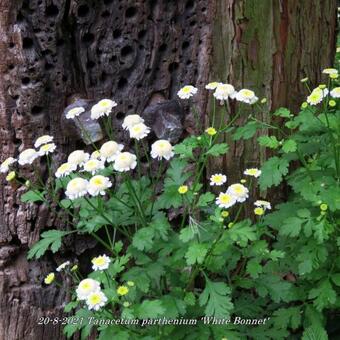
(139, 53)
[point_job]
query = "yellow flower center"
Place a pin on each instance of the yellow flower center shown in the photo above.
(259, 211)
(183, 189)
(186, 89)
(122, 290)
(94, 299)
(98, 261)
(225, 198)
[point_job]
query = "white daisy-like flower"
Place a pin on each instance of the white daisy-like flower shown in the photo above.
(65, 169)
(27, 156)
(253, 172)
(63, 266)
(212, 86)
(131, 120)
(76, 188)
(330, 71)
(335, 93)
(100, 262)
(125, 161)
(218, 179)
(78, 157)
(46, 149)
(246, 96)
(4, 167)
(96, 300)
(102, 108)
(225, 200)
(75, 112)
(317, 96)
(224, 91)
(86, 287)
(95, 154)
(98, 184)
(263, 204)
(187, 92)
(93, 165)
(139, 131)
(110, 150)
(43, 140)
(239, 191)
(162, 149)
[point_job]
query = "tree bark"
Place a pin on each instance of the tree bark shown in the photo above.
(139, 53)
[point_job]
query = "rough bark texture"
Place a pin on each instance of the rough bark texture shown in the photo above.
(139, 53)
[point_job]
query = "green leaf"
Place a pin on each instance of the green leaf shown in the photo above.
(216, 298)
(247, 131)
(315, 332)
(291, 226)
(324, 295)
(284, 318)
(282, 112)
(273, 171)
(32, 196)
(289, 146)
(218, 149)
(150, 309)
(269, 142)
(186, 234)
(196, 253)
(336, 279)
(242, 232)
(205, 199)
(254, 268)
(143, 238)
(50, 239)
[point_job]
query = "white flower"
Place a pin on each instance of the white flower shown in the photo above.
(43, 140)
(335, 93)
(93, 165)
(187, 91)
(131, 120)
(102, 108)
(253, 172)
(78, 157)
(224, 91)
(28, 156)
(98, 184)
(95, 154)
(263, 204)
(212, 86)
(65, 169)
(76, 188)
(96, 300)
(125, 161)
(162, 149)
(101, 262)
(86, 287)
(46, 149)
(139, 131)
(330, 71)
(246, 96)
(239, 191)
(110, 150)
(4, 167)
(75, 112)
(63, 266)
(225, 200)
(218, 179)
(317, 96)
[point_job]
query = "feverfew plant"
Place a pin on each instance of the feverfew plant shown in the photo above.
(180, 243)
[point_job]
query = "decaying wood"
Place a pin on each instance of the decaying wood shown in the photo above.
(135, 52)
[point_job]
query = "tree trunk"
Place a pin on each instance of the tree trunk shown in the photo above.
(139, 53)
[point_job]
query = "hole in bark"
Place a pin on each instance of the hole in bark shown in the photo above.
(122, 83)
(105, 14)
(103, 77)
(90, 64)
(189, 4)
(141, 34)
(120, 115)
(108, 2)
(25, 80)
(204, 9)
(52, 11)
(48, 66)
(185, 45)
(117, 33)
(11, 45)
(113, 58)
(64, 78)
(20, 17)
(163, 47)
(126, 51)
(11, 67)
(60, 42)
(193, 23)
(27, 43)
(173, 67)
(83, 11)
(131, 12)
(88, 38)
(36, 110)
